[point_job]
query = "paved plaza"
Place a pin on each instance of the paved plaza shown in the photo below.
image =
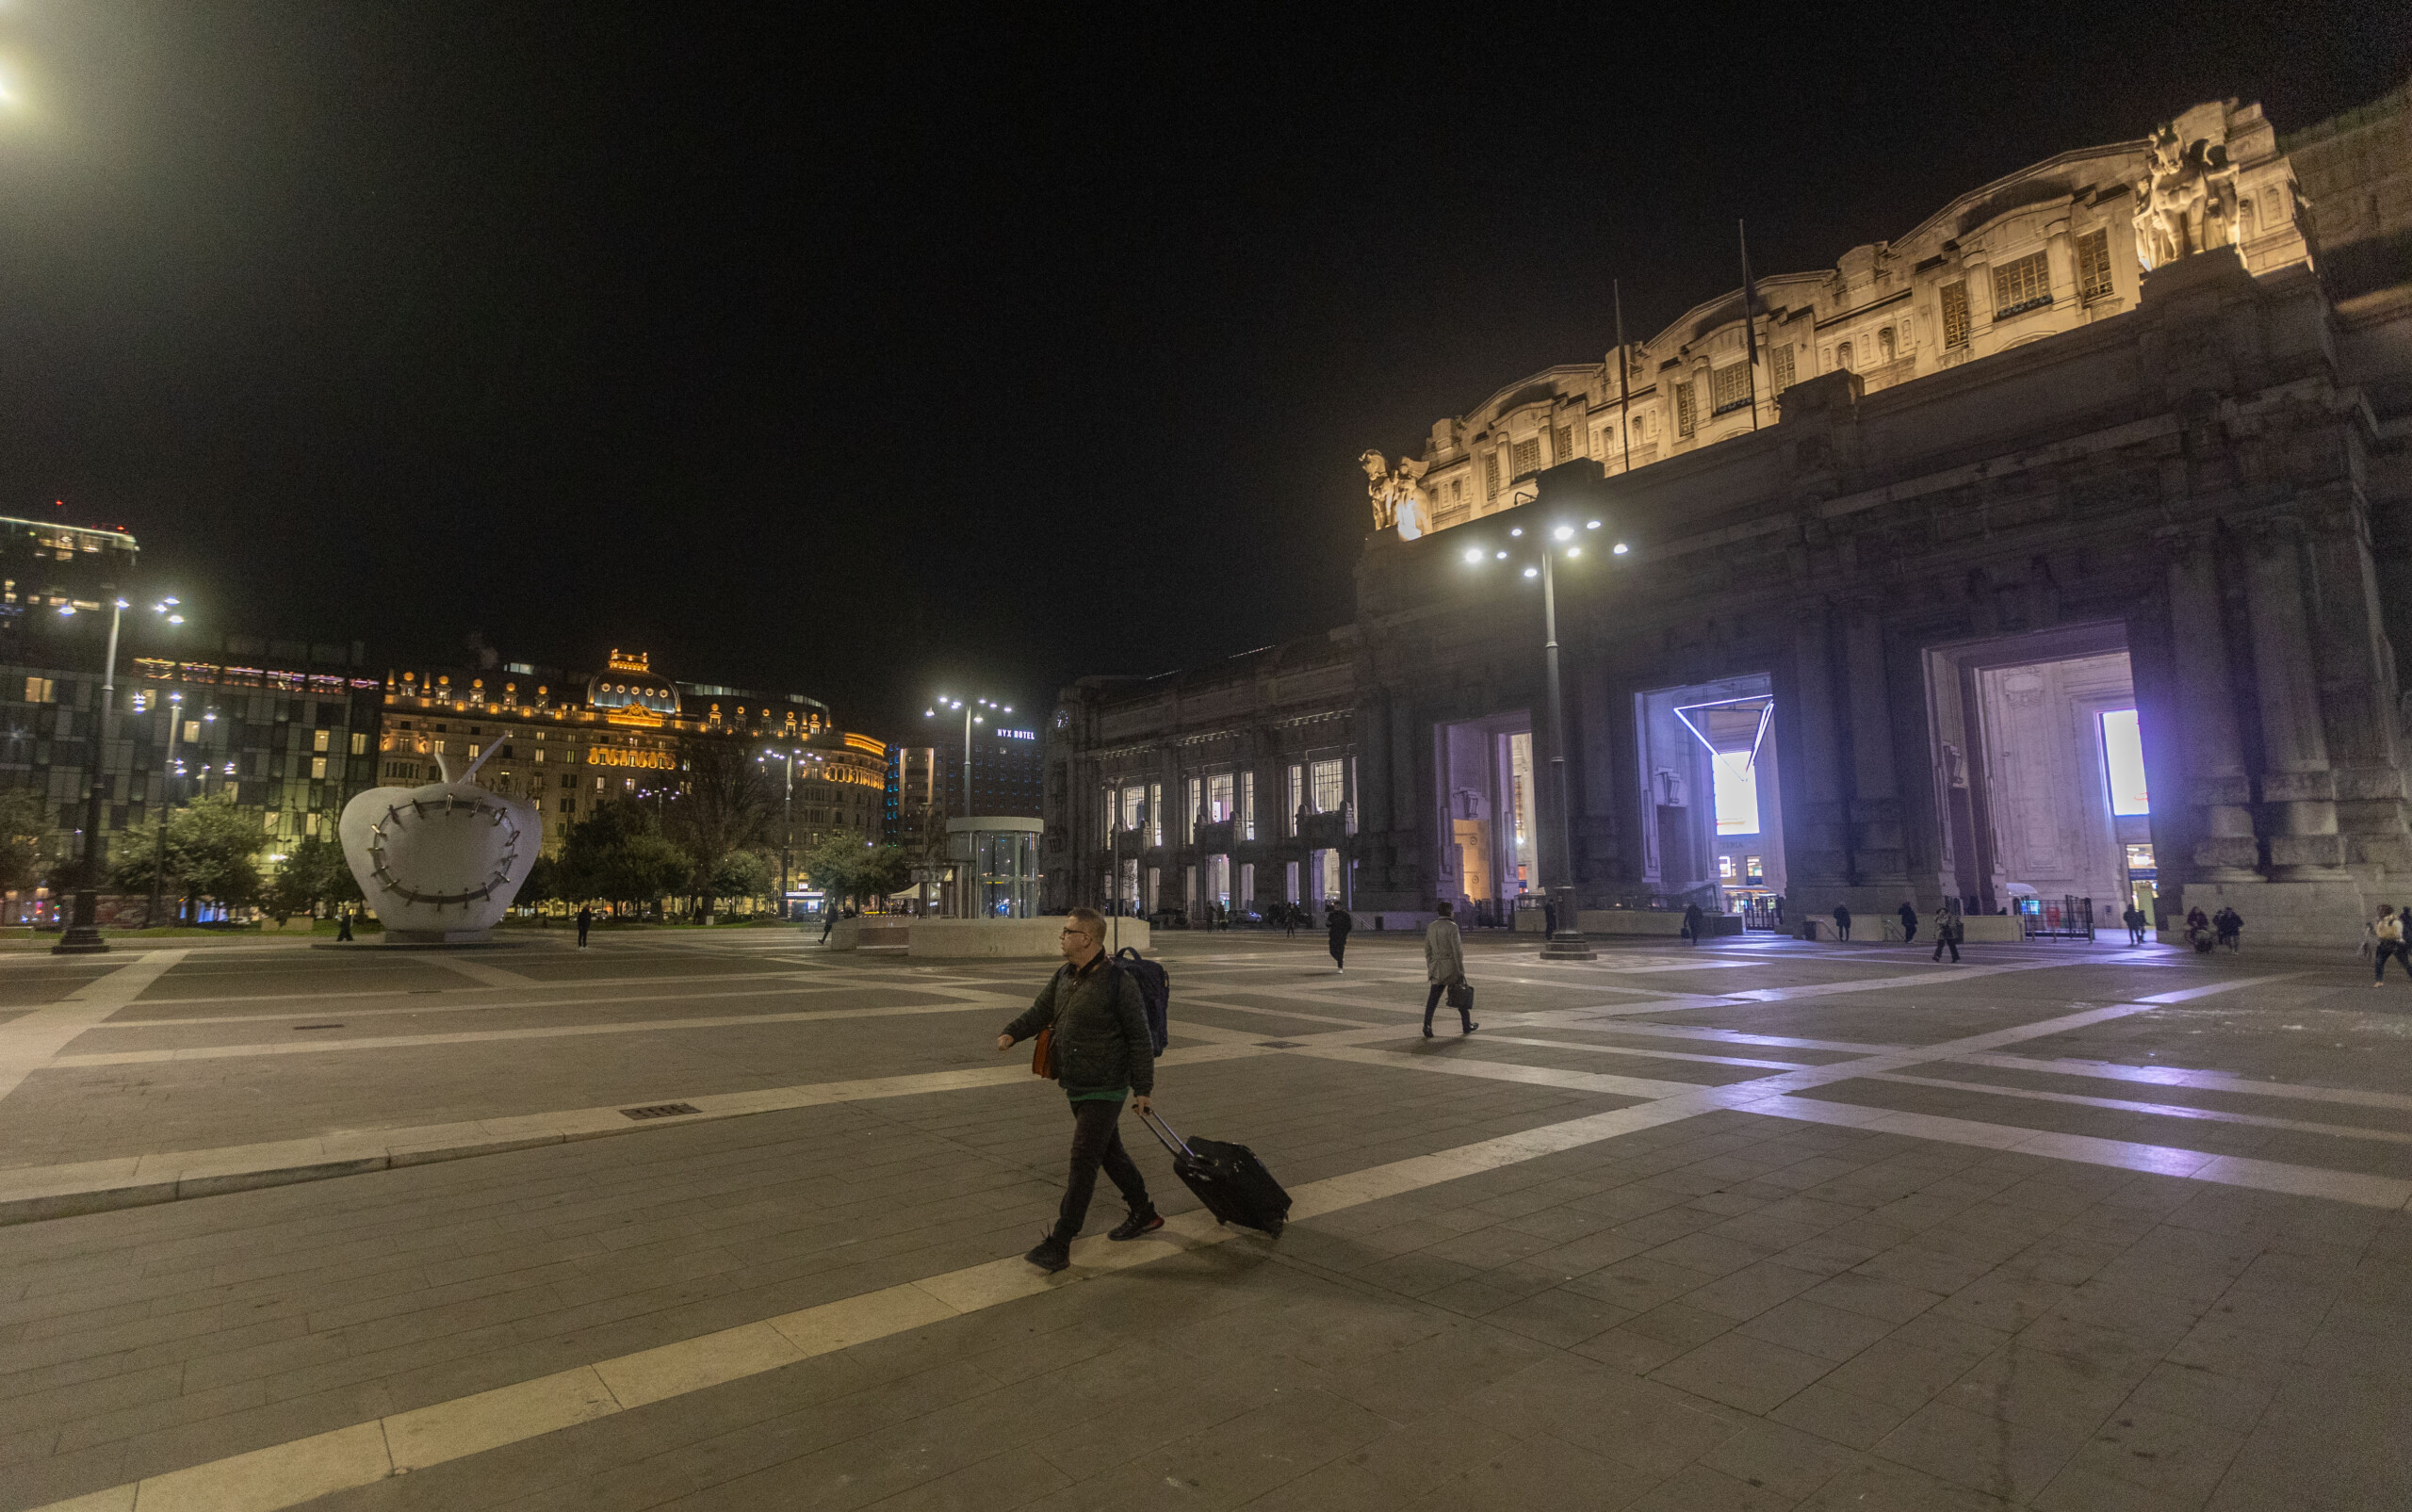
(721, 1220)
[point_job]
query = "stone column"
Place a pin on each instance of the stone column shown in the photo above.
(2217, 785)
(2298, 792)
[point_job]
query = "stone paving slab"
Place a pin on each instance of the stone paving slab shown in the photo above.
(1722, 1285)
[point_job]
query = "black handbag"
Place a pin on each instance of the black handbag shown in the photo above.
(1461, 995)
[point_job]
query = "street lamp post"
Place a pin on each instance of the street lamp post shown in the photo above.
(787, 820)
(167, 774)
(971, 717)
(83, 936)
(1565, 942)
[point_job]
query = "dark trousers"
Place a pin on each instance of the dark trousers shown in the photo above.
(1339, 948)
(1465, 1015)
(1097, 1141)
(1944, 940)
(2396, 949)
(581, 933)
(1909, 932)
(1842, 930)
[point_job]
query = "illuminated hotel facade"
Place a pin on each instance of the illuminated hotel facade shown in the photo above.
(569, 740)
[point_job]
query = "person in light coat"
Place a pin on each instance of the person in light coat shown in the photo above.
(1445, 965)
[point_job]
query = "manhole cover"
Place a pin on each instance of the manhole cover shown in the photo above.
(661, 1109)
(1282, 1043)
(297, 1027)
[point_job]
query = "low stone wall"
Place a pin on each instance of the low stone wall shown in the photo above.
(877, 931)
(1030, 939)
(1610, 923)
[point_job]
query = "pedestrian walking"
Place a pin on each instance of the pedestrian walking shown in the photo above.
(1100, 1053)
(1842, 922)
(1445, 967)
(1337, 924)
(1949, 930)
(1691, 922)
(2388, 927)
(1290, 913)
(2228, 925)
(1909, 924)
(2136, 921)
(343, 926)
(585, 922)
(2198, 931)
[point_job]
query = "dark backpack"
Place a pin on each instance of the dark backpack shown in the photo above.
(1155, 990)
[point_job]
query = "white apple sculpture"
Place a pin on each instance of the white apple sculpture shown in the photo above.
(439, 863)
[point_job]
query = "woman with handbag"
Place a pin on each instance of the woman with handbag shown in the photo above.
(1445, 965)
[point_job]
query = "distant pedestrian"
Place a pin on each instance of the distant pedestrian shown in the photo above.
(1337, 924)
(1909, 924)
(2389, 931)
(2136, 921)
(1842, 921)
(2198, 931)
(1949, 930)
(1290, 913)
(2228, 925)
(1691, 922)
(1549, 918)
(1779, 911)
(343, 927)
(1098, 1038)
(585, 922)
(1445, 967)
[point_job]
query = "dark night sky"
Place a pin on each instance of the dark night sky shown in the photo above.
(865, 351)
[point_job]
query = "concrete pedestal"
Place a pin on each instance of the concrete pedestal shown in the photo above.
(1024, 939)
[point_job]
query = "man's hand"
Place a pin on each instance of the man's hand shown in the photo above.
(1139, 1105)
(1004, 1042)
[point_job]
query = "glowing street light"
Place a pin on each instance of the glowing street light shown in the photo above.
(83, 936)
(971, 716)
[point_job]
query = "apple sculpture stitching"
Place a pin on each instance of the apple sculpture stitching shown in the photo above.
(439, 863)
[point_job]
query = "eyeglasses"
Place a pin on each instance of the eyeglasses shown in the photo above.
(1081, 933)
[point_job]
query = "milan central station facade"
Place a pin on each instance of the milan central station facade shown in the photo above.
(2060, 549)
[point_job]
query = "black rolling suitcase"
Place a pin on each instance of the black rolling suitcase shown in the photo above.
(1229, 1179)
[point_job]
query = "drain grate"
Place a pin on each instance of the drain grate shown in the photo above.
(661, 1109)
(297, 1027)
(1280, 1043)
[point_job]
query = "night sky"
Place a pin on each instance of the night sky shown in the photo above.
(863, 351)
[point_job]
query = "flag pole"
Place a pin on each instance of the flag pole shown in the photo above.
(1750, 319)
(1624, 418)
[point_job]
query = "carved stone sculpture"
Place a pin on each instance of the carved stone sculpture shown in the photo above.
(440, 863)
(1397, 493)
(2186, 202)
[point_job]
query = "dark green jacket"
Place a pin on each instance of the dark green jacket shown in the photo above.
(1102, 1041)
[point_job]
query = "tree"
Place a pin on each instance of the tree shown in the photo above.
(314, 873)
(886, 870)
(749, 874)
(724, 806)
(30, 842)
(836, 865)
(212, 852)
(619, 853)
(542, 883)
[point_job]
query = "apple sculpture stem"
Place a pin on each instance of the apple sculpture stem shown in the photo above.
(440, 864)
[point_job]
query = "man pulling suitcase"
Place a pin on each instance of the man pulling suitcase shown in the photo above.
(1092, 1022)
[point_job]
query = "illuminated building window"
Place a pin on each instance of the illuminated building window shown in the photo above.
(1327, 791)
(1780, 360)
(1725, 869)
(1296, 799)
(1529, 457)
(318, 739)
(1687, 418)
(41, 691)
(1753, 870)
(2094, 264)
(1218, 798)
(2122, 753)
(2023, 284)
(1247, 810)
(1729, 387)
(1955, 313)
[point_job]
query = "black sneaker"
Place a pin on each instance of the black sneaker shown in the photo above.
(1051, 1254)
(1470, 1028)
(1137, 1224)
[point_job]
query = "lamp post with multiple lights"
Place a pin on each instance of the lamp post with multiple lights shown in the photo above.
(1566, 942)
(83, 936)
(787, 816)
(971, 716)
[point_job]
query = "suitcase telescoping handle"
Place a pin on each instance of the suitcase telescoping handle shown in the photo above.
(1165, 1135)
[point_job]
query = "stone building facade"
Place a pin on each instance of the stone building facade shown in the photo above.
(1233, 787)
(2166, 498)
